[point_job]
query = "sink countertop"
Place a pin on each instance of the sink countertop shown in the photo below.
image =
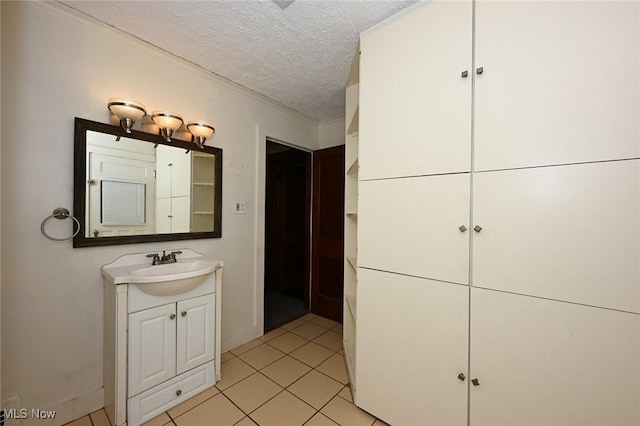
(121, 270)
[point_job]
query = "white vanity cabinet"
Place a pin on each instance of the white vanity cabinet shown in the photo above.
(162, 339)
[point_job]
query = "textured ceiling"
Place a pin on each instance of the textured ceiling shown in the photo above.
(299, 56)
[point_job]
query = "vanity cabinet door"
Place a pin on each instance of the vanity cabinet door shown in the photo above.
(196, 332)
(152, 347)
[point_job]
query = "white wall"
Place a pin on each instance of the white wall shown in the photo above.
(56, 66)
(331, 132)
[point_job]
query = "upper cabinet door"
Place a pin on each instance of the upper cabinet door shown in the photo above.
(559, 82)
(415, 105)
(412, 226)
(567, 232)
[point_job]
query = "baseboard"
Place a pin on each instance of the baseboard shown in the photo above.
(68, 410)
(240, 338)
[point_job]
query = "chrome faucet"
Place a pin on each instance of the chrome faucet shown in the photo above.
(165, 258)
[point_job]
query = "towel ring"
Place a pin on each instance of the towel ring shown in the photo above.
(59, 213)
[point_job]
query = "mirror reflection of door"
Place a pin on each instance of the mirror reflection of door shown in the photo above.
(111, 177)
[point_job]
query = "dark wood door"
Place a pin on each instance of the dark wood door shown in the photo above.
(287, 234)
(327, 282)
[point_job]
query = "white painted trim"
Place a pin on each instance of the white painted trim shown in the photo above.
(70, 409)
(332, 120)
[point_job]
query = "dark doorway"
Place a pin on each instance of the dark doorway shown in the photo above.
(287, 234)
(327, 284)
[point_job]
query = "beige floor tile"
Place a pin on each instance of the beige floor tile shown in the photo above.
(324, 322)
(334, 367)
(346, 394)
(311, 354)
(320, 420)
(283, 410)
(293, 324)
(309, 317)
(160, 420)
(216, 411)
(330, 340)
(272, 334)
(252, 392)
(83, 421)
(226, 356)
(345, 413)
(261, 356)
(245, 422)
(338, 328)
(192, 402)
(246, 347)
(308, 330)
(99, 418)
(288, 342)
(285, 371)
(379, 422)
(233, 371)
(315, 389)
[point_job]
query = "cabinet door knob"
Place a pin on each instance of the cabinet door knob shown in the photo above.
(461, 377)
(477, 228)
(464, 74)
(184, 313)
(462, 228)
(475, 382)
(178, 392)
(172, 316)
(479, 70)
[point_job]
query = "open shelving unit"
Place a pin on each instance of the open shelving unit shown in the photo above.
(202, 192)
(351, 221)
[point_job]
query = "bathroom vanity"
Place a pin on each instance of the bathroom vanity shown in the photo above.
(161, 332)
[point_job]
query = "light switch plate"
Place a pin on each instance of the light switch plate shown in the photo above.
(240, 207)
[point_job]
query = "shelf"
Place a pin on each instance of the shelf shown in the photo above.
(355, 121)
(349, 357)
(351, 303)
(204, 183)
(352, 215)
(353, 262)
(203, 213)
(353, 169)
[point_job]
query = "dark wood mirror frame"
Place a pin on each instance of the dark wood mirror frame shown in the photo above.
(80, 182)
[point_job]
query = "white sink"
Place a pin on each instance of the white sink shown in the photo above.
(161, 280)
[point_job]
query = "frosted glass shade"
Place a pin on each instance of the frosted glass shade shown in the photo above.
(127, 110)
(167, 120)
(200, 129)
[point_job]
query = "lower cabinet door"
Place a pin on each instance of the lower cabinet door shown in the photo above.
(152, 347)
(412, 339)
(149, 404)
(196, 332)
(542, 362)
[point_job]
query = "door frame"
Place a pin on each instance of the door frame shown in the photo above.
(308, 200)
(257, 327)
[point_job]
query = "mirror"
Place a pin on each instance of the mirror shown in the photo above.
(136, 187)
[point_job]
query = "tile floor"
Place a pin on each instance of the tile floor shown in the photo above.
(292, 376)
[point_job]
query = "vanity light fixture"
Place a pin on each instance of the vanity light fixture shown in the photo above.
(167, 122)
(128, 111)
(200, 131)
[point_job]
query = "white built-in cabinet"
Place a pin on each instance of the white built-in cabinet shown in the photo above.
(185, 190)
(173, 190)
(497, 274)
